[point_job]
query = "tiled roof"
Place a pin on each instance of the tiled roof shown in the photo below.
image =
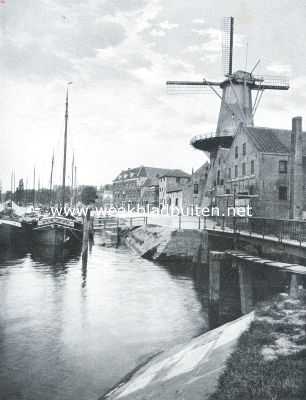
(151, 182)
(269, 140)
(176, 173)
(174, 188)
(149, 172)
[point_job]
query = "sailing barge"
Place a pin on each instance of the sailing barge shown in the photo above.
(58, 230)
(12, 232)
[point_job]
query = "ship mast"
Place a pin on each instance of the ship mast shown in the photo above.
(51, 180)
(65, 150)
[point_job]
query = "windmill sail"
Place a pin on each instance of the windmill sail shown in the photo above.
(271, 82)
(190, 87)
(227, 45)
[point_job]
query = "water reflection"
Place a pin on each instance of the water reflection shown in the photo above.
(70, 329)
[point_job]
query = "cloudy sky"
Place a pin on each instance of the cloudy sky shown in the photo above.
(119, 53)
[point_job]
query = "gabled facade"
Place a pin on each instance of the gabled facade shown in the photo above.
(260, 169)
(140, 186)
(169, 181)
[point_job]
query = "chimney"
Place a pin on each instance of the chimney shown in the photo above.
(296, 170)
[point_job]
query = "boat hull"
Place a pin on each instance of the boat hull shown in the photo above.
(56, 236)
(12, 234)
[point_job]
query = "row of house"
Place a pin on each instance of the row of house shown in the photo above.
(158, 187)
(263, 168)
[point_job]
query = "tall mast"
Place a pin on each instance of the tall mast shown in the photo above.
(75, 184)
(38, 191)
(34, 189)
(65, 151)
(51, 180)
(14, 184)
(72, 179)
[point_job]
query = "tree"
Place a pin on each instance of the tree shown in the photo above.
(19, 194)
(88, 194)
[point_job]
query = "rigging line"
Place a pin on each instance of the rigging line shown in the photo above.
(255, 102)
(260, 96)
(220, 97)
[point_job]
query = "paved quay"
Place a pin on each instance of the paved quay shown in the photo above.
(189, 371)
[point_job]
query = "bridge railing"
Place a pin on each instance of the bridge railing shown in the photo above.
(116, 222)
(280, 229)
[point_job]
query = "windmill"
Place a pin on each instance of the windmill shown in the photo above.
(237, 106)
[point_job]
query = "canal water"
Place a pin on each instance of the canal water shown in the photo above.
(70, 331)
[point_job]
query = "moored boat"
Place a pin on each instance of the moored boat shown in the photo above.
(12, 233)
(57, 231)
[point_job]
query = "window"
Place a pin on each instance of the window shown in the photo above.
(244, 149)
(252, 167)
(176, 202)
(282, 193)
(243, 169)
(229, 174)
(218, 178)
(236, 171)
(236, 152)
(283, 166)
(227, 191)
(251, 190)
(196, 188)
(178, 179)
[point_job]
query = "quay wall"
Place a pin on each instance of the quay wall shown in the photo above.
(166, 244)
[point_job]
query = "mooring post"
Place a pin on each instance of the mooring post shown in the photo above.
(295, 282)
(91, 227)
(215, 259)
(246, 286)
(85, 233)
(118, 232)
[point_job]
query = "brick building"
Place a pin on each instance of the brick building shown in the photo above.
(141, 185)
(170, 182)
(263, 167)
(149, 192)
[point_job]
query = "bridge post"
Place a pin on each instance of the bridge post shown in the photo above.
(295, 282)
(246, 287)
(215, 259)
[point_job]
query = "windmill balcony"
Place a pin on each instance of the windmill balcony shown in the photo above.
(209, 142)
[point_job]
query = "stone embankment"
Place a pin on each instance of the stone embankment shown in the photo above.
(186, 372)
(163, 243)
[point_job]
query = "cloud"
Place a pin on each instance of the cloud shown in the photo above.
(210, 43)
(167, 26)
(57, 41)
(198, 21)
(280, 69)
(119, 54)
(157, 33)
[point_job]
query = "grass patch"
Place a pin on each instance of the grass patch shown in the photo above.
(269, 362)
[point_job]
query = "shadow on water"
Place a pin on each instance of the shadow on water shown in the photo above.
(56, 258)
(229, 307)
(12, 254)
